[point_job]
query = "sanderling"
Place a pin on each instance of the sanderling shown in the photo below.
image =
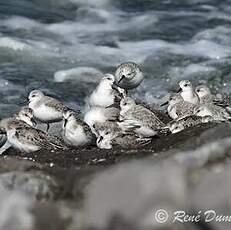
(187, 92)
(114, 126)
(28, 139)
(224, 102)
(75, 131)
(27, 115)
(46, 109)
(204, 94)
(101, 115)
(109, 139)
(147, 122)
(128, 75)
(178, 108)
(190, 121)
(217, 113)
(106, 93)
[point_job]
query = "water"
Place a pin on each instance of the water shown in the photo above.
(63, 46)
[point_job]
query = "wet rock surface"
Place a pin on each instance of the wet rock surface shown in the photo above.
(121, 189)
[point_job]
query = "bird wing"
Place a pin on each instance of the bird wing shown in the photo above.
(147, 117)
(54, 103)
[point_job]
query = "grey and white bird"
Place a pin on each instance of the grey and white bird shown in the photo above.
(224, 102)
(204, 94)
(216, 113)
(75, 131)
(46, 109)
(190, 121)
(24, 116)
(187, 92)
(106, 93)
(27, 139)
(110, 139)
(128, 75)
(101, 115)
(178, 108)
(146, 120)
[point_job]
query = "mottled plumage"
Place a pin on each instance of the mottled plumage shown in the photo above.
(178, 108)
(147, 121)
(177, 126)
(28, 139)
(204, 94)
(216, 113)
(110, 139)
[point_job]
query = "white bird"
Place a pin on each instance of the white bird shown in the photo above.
(106, 93)
(75, 131)
(187, 92)
(46, 109)
(101, 115)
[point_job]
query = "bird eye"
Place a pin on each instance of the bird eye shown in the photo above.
(186, 85)
(198, 110)
(106, 133)
(108, 78)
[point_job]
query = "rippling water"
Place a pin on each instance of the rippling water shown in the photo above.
(63, 46)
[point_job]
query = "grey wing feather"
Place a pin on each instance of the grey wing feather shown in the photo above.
(52, 102)
(147, 117)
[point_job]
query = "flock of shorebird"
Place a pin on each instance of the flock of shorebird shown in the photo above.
(113, 118)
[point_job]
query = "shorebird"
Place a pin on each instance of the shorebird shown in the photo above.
(178, 108)
(216, 113)
(46, 109)
(101, 115)
(128, 75)
(187, 92)
(146, 120)
(204, 94)
(109, 139)
(75, 131)
(190, 121)
(28, 139)
(106, 93)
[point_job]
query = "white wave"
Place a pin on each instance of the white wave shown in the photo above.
(86, 74)
(14, 44)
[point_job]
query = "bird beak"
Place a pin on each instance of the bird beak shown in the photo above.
(100, 139)
(121, 79)
(33, 121)
(65, 123)
(165, 103)
(179, 90)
